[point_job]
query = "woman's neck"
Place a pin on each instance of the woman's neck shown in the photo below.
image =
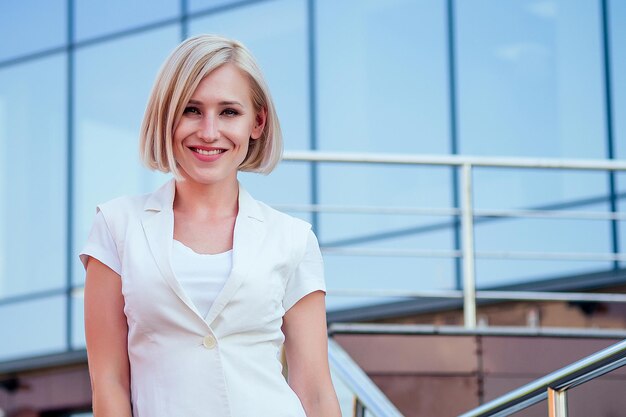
(206, 200)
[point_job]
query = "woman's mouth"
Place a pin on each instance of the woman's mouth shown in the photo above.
(208, 152)
(207, 155)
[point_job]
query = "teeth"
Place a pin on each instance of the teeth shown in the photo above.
(212, 152)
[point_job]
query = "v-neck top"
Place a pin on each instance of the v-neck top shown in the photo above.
(202, 276)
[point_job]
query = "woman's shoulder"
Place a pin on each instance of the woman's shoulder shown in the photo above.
(277, 217)
(124, 203)
(163, 195)
(131, 205)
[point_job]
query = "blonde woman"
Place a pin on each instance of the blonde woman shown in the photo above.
(191, 290)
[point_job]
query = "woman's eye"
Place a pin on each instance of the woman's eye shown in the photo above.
(230, 112)
(193, 110)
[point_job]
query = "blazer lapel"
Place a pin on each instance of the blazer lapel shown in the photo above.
(158, 225)
(247, 240)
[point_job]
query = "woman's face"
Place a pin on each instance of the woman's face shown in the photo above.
(212, 136)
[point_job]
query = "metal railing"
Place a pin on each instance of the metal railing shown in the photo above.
(554, 386)
(368, 398)
(467, 214)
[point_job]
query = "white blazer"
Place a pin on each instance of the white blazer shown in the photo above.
(226, 364)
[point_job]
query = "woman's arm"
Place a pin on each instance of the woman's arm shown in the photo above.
(306, 349)
(106, 332)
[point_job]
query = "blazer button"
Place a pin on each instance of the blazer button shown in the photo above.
(208, 342)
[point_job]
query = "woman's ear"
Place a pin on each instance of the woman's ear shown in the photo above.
(259, 123)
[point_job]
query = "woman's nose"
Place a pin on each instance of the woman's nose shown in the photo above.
(207, 129)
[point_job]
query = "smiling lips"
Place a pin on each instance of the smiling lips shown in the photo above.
(207, 154)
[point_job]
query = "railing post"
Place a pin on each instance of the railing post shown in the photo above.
(359, 408)
(469, 269)
(557, 403)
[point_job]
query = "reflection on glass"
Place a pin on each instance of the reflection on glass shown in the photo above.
(382, 186)
(530, 81)
(280, 49)
(382, 77)
(97, 18)
(382, 81)
(33, 176)
(383, 272)
(31, 328)
(29, 26)
(538, 188)
(386, 186)
(110, 102)
(497, 189)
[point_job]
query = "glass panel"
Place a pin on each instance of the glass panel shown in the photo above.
(31, 328)
(29, 26)
(110, 102)
(620, 180)
(404, 273)
(289, 185)
(280, 49)
(78, 319)
(389, 58)
(201, 5)
(385, 186)
(531, 84)
(97, 18)
(617, 24)
(531, 79)
(382, 76)
(505, 189)
(33, 168)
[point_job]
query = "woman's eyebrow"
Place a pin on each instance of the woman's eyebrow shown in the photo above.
(231, 103)
(221, 103)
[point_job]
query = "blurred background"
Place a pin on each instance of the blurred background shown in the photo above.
(488, 78)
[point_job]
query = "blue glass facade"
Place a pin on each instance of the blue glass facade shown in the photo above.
(529, 78)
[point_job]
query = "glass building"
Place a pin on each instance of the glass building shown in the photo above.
(521, 78)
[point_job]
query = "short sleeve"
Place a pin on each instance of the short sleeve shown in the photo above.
(308, 276)
(100, 245)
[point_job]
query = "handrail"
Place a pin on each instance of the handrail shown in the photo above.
(554, 385)
(442, 253)
(438, 211)
(516, 295)
(456, 160)
(340, 328)
(368, 395)
(467, 213)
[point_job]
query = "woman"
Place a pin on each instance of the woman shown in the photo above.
(192, 290)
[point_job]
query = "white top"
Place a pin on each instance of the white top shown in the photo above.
(225, 363)
(201, 275)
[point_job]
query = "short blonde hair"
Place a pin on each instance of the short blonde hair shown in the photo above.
(187, 65)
